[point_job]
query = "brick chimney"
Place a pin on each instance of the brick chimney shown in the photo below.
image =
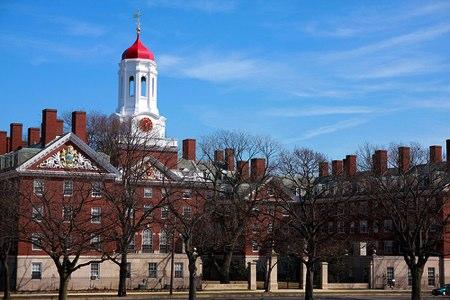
(229, 159)
(380, 163)
(59, 127)
(79, 125)
(218, 156)
(3, 143)
(323, 169)
(350, 165)
(49, 125)
(189, 149)
(435, 154)
(257, 168)
(447, 149)
(34, 136)
(404, 159)
(243, 169)
(16, 136)
(337, 167)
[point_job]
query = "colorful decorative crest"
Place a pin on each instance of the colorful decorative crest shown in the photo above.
(68, 158)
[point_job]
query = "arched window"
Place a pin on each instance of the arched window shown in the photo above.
(131, 86)
(143, 86)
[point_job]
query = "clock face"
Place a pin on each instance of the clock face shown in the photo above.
(145, 124)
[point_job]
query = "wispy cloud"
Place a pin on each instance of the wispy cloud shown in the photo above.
(405, 67)
(76, 27)
(333, 128)
(411, 38)
(316, 111)
(208, 6)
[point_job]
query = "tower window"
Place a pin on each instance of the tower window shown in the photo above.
(131, 86)
(143, 86)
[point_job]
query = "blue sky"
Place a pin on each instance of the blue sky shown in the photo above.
(329, 75)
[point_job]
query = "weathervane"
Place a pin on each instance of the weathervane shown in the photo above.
(137, 16)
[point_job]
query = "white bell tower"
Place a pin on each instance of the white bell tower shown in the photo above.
(138, 90)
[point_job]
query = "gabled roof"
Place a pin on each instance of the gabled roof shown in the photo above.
(92, 158)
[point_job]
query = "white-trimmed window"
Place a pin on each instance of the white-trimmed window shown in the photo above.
(36, 270)
(431, 277)
(68, 188)
(187, 194)
(143, 86)
(95, 241)
(96, 189)
(178, 270)
(95, 271)
(96, 215)
(390, 273)
(147, 241)
(37, 213)
(131, 86)
(152, 270)
(148, 192)
(363, 226)
(67, 213)
(164, 212)
(38, 187)
(128, 270)
(36, 241)
(187, 212)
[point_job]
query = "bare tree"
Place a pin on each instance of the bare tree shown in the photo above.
(139, 160)
(61, 226)
(307, 206)
(413, 194)
(8, 230)
(232, 190)
(189, 215)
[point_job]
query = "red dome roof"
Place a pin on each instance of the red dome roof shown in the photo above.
(138, 50)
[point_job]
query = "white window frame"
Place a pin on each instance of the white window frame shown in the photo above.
(178, 267)
(68, 188)
(95, 270)
(36, 242)
(148, 192)
(187, 194)
(152, 272)
(37, 212)
(38, 187)
(96, 190)
(147, 240)
(36, 267)
(67, 211)
(164, 212)
(96, 216)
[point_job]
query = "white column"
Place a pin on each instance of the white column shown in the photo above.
(251, 275)
(273, 282)
(324, 275)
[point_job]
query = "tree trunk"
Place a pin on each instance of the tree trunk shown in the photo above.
(192, 278)
(268, 273)
(309, 282)
(6, 279)
(225, 268)
(416, 276)
(63, 284)
(122, 291)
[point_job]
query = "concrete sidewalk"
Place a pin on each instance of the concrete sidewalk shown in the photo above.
(209, 294)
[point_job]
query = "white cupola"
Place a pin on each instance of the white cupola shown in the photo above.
(138, 82)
